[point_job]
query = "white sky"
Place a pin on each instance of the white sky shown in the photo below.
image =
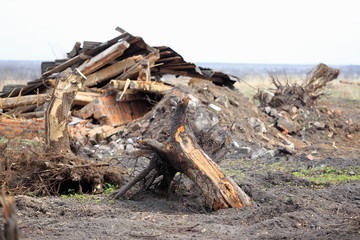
(253, 31)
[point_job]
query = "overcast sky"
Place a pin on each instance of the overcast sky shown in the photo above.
(253, 31)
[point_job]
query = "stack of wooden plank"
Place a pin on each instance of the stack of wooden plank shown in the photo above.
(124, 65)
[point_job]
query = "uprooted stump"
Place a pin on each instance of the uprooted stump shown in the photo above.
(305, 94)
(177, 151)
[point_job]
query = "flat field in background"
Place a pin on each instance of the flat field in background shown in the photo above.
(253, 76)
(18, 72)
(335, 91)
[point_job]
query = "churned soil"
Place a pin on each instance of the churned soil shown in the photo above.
(285, 207)
(294, 196)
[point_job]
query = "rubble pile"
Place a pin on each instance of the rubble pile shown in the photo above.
(292, 109)
(121, 103)
(125, 77)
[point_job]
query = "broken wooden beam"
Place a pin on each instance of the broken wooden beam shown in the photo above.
(85, 55)
(147, 86)
(22, 109)
(66, 64)
(172, 59)
(133, 72)
(164, 70)
(111, 71)
(103, 58)
(13, 102)
(84, 98)
(31, 115)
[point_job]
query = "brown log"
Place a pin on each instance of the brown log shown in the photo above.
(103, 58)
(146, 86)
(13, 102)
(67, 86)
(111, 71)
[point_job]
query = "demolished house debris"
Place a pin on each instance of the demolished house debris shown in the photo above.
(129, 100)
(114, 83)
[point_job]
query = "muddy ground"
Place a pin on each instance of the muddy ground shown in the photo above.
(285, 207)
(294, 198)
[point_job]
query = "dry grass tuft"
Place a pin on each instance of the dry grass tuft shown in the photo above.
(345, 92)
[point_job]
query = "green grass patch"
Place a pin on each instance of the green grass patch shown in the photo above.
(329, 175)
(317, 176)
(109, 188)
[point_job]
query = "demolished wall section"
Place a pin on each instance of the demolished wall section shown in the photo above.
(26, 129)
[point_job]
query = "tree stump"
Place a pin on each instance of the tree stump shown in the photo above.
(66, 88)
(181, 153)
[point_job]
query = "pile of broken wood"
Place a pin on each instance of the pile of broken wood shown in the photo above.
(128, 70)
(124, 65)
